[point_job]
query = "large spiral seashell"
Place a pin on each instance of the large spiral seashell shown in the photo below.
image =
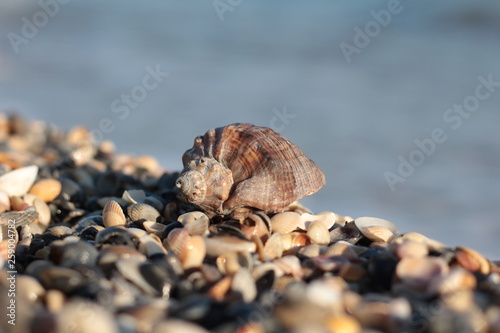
(240, 168)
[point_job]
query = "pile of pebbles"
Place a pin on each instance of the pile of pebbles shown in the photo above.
(103, 245)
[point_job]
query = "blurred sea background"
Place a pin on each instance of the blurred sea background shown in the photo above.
(280, 64)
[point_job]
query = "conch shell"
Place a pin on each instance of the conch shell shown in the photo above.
(240, 168)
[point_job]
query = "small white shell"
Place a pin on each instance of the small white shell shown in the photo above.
(362, 223)
(318, 233)
(196, 223)
(327, 218)
(19, 181)
(134, 196)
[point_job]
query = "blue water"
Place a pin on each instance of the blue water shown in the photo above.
(265, 59)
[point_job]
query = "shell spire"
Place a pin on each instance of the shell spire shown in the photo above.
(243, 168)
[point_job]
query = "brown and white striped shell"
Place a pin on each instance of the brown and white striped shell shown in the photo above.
(240, 168)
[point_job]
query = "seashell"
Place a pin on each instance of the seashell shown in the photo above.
(220, 244)
(219, 290)
(352, 272)
(285, 222)
(243, 284)
(362, 223)
(417, 273)
(294, 240)
(242, 167)
(18, 203)
(457, 280)
(289, 265)
(116, 236)
(4, 200)
(16, 219)
(54, 300)
(378, 234)
(255, 225)
(112, 214)
(231, 262)
(327, 218)
(104, 200)
(151, 245)
(112, 254)
(472, 260)
(171, 211)
(130, 269)
(60, 231)
(84, 316)
(415, 236)
(154, 228)
(310, 251)
(46, 189)
(193, 252)
(141, 212)
(176, 240)
(196, 223)
(29, 289)
(274, 247)
(346, 233)
(341, 248)
(134, 196)
(44, 213)
(411, 249)
(19, 181)
(318, 233)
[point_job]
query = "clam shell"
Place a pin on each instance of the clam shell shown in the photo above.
(46, 189)
(196, 223)
(318, 233)
(327, 218)
(240, 165)
(176, 240)
(457, 280)
(141, 212)
(218, 245)
(154, 228)
(112, 214)
(193, 253)
(417, 273)
(341, 248)
(415, 236)
(411, 249)
(25, 217)
(310, 251)
(151, 245)
(285, 222)
(365, 224)
(289, 265)
(274, 247)
(19, 181)
(378, 234)
(44, 213)
(154, 202)
(472, 260)
(294, 240)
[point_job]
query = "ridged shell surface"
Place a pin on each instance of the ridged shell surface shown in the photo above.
(243, 166)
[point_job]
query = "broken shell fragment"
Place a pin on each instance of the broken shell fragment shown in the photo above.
(472, 260)
(196, 223)
(19, 181)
